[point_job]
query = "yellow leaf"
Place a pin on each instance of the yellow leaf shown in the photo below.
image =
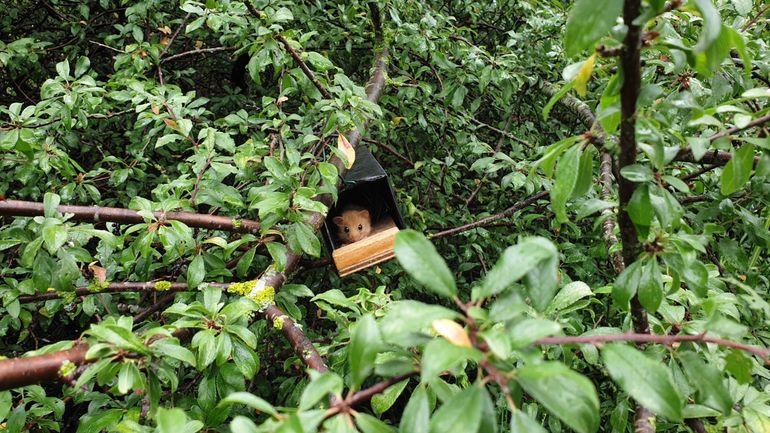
(584, 75)
(198, 44)
(344, 145)
(452, 331)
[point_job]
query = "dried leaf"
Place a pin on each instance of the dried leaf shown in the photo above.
(165, 29)
(155, 109)
(171, 124)
(99, 272)
(453, 332)
(344, 145)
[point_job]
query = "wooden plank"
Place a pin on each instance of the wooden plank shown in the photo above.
(367, 252)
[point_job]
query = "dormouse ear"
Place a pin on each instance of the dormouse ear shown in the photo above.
(338, 220)
(364, 213)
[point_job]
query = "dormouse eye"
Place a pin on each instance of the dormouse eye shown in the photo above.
(347, 229)
(360, 227)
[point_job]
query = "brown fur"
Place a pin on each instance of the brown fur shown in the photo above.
(356, 220)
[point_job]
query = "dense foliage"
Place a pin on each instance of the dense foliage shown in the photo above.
(585, 185)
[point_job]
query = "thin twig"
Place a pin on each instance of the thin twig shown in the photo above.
(483, 222)
(198, 180)
(200, 51)
(761, 352)
(756, 18)
(499, 146)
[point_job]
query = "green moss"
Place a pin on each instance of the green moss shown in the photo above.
(67, 368)
(162, 286)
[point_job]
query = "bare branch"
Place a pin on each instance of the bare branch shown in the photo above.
(127, 216)
(483, 222)
(761, 352)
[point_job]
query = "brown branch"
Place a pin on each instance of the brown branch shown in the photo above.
(719, 157)
(173, 37)
(200, 51)
(159, 304)
(16, 372)
(504, 133)
(630, 61)
(499, 146)
(391, 151)
(755, 18)
(308, 73)
(198, 180)
(608, 227)
(761, 352)
(113, 288)
(302, 345)
(106, 46)
(127, 216)
(696, 425)
(483, 222)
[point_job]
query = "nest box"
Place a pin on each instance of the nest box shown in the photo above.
(366, 185)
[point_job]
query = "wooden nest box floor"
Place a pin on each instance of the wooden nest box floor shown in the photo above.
(373, 249)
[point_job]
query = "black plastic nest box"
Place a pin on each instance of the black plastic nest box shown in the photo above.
(365, 185)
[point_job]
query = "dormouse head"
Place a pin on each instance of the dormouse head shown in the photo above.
(353, 225)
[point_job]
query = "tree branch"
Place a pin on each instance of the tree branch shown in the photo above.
(16, 372)
(492, 218)
(149, 286)
(199, 51)
(761, 352)
(127, 216)
(310, 75)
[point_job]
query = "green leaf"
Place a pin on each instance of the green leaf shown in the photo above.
(585, 174)
(542, 281)
(459, 96)
(708, 381)
(369, 424)
(567, 171)
(737, 171)
(416, 416)
(321, 385)
(712, 24)
(739, 366)
(650, 286)
(529, 330)
(461, 414)
(568, 296)
(648, 381)
(250, 400)
(522, 423)
(365, 343)
(306, 238)
(569, 396)
(637, 173)
(385, 400)
(441, 355)
(588, 21)
(514, 264)
(165, 348)
(421, 260)
(196, 272)
(556, 97)
(205, 343)
(708, 61)
(640, 208)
